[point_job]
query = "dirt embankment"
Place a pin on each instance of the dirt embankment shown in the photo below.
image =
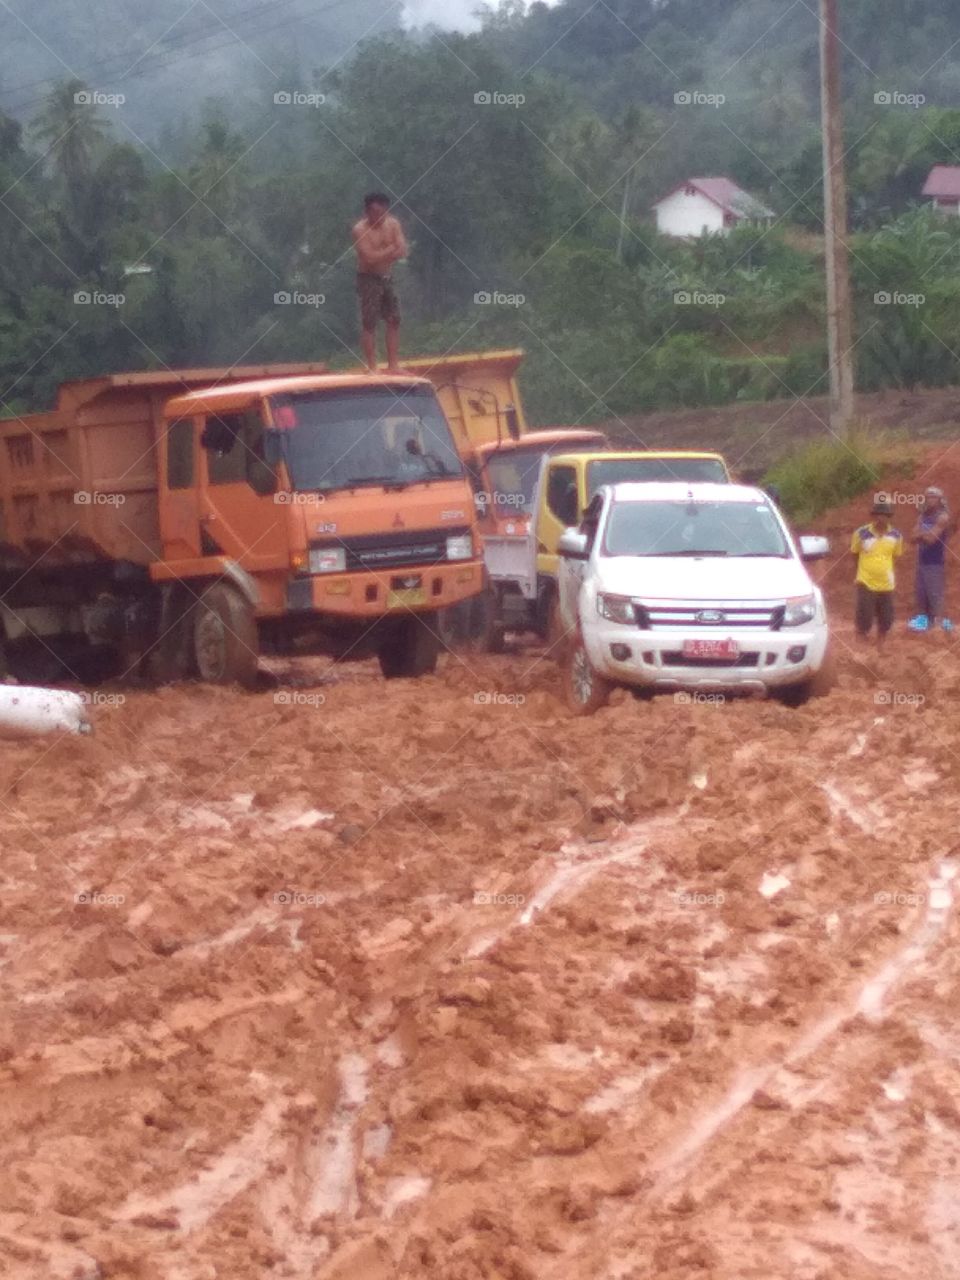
(355, 980)
(753, 436)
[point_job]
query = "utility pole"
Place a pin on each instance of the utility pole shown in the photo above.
(839, 319)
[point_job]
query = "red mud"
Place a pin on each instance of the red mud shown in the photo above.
(410, 982)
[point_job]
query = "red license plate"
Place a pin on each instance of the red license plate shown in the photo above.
(711, 649)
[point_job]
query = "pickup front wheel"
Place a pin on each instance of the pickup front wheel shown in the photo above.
(225, 641)
(584, 689)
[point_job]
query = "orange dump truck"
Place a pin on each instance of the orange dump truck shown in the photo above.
(180, 523)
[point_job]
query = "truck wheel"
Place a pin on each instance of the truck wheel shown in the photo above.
(584, 689)
(225, 641)
(409, 648)
(473, 626)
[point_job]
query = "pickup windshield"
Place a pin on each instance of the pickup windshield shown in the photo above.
(348, 438)
(694, 529)
(689, 470)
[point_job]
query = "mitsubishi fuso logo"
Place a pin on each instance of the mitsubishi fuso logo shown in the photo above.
(398, 521)
(710, 615)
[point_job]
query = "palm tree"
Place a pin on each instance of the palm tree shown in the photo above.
(71, 128)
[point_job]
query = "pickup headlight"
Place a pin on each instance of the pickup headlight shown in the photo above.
(799, 610)
(460, 547)
(327, 559)
(617, 609)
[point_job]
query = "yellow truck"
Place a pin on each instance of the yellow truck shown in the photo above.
(523, 566)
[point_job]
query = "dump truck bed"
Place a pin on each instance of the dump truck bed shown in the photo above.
(79, 483)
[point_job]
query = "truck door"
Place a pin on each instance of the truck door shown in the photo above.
(557, 510)
(179, 506)
(239, 514)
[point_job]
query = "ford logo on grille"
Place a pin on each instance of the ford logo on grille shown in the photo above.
(710, 615)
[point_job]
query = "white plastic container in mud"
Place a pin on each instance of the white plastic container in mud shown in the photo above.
(26, 711)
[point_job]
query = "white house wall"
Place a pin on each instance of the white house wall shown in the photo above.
(688, 215)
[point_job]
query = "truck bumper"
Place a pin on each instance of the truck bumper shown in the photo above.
(655, 659)
(371, 595)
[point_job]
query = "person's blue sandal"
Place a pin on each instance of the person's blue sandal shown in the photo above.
(946, 624)
(920, 623)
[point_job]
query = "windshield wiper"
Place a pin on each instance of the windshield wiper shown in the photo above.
(388, 482)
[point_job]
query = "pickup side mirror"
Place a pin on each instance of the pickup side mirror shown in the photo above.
(813, 547)
(573, 545)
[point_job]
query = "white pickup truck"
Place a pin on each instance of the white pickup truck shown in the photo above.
(697, 587)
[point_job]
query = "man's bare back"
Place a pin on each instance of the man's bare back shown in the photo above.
(378, 244)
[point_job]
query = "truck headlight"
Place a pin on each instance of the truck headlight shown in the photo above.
(460, 547)
(799, 610)
(327, 559)
(617, 609)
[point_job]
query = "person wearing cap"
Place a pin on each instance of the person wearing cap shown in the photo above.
(930, 534)
(876, 546)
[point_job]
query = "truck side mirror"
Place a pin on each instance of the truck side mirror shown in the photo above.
(573, 545)
(813, 547)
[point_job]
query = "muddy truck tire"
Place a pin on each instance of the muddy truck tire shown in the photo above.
(225, 640)
(409, 648)
(584, 689)
(474, 625)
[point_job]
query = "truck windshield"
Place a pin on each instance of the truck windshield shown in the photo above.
(694, 529)
(512, 476)
(340, 439)
(689, 470)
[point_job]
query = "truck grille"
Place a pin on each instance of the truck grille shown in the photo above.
(656, 615)
(394, 550)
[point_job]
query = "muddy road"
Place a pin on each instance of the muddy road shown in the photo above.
(363, 980)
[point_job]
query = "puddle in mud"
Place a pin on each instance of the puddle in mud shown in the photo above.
(400, 1191)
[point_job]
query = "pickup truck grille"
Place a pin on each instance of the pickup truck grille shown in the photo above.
(657, 615)
(394, 550)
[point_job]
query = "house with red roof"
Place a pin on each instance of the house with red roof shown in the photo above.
(708, 206)
(943, 187)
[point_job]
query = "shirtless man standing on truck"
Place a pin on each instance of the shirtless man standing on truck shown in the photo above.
(379, 242)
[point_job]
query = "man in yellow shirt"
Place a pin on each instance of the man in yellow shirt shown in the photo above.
(876, 546)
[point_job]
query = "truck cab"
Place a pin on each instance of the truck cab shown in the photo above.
(522, 564)
(337, 508)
